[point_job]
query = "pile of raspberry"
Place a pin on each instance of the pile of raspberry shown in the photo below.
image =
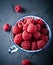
(30, 33)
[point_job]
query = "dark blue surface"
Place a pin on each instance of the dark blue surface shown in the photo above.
(41, 8)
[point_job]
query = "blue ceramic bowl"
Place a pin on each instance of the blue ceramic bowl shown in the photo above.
(35, 17)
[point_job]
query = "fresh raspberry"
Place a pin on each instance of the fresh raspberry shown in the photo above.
(39, 21)
(6, 27)
(16, 30)
(20, 25)
(25, 20)
(26, 35)
(26, 62)
(26, 45)
(34, 46)
(38, 27)
(44, 37)
(18, 8)
(18, 39)
(25, 26)
(37, 35)
(29, 20)
(40, 44)
(31, 28)
(44, 31)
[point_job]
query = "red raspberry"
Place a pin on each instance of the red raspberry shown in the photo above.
(39, 21)
(34, 46)
(29, 20)
(20, 25)
(38, 27)
(31, 28)
(40, 44)
(26, 35)
(26, 45)
(37, 35)
(25, 26)
(26, 62)
(25, 20)
(16, 30)
(18, 8)
(18, 39)
(6, 27)
(44, 37)
(44, 31)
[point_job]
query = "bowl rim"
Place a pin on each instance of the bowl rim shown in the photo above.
(46, 26)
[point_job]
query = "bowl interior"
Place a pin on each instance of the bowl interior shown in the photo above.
(35, 17)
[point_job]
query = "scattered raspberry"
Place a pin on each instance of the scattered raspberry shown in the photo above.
(34, 46)
(26, 45)
(26, 35)
(18, 8)
(38, 27)
(25, 26)
(26, 62)
(18, 39)
(40, 44)
(37, 35)
(16, 30)
(39, 21)
(31, 28)
(44, 37)
(6, 27)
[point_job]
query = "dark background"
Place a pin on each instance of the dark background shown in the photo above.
(41, 8)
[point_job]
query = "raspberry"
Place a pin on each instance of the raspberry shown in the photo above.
(26, 62)
(44, 37)
(26, 45)
(39, 21)
(44, 31)
(29, 20)
(37, 35)
(20, 24)
(38, 27)
(40, 44)
(16, 29)
(31, 28)
(25, 20)
(6, 27)
(26, 35)
(18, 39)
(18, 8)
(25, 26)
(34, 46)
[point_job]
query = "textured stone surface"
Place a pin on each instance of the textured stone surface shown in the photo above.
(42, 8)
